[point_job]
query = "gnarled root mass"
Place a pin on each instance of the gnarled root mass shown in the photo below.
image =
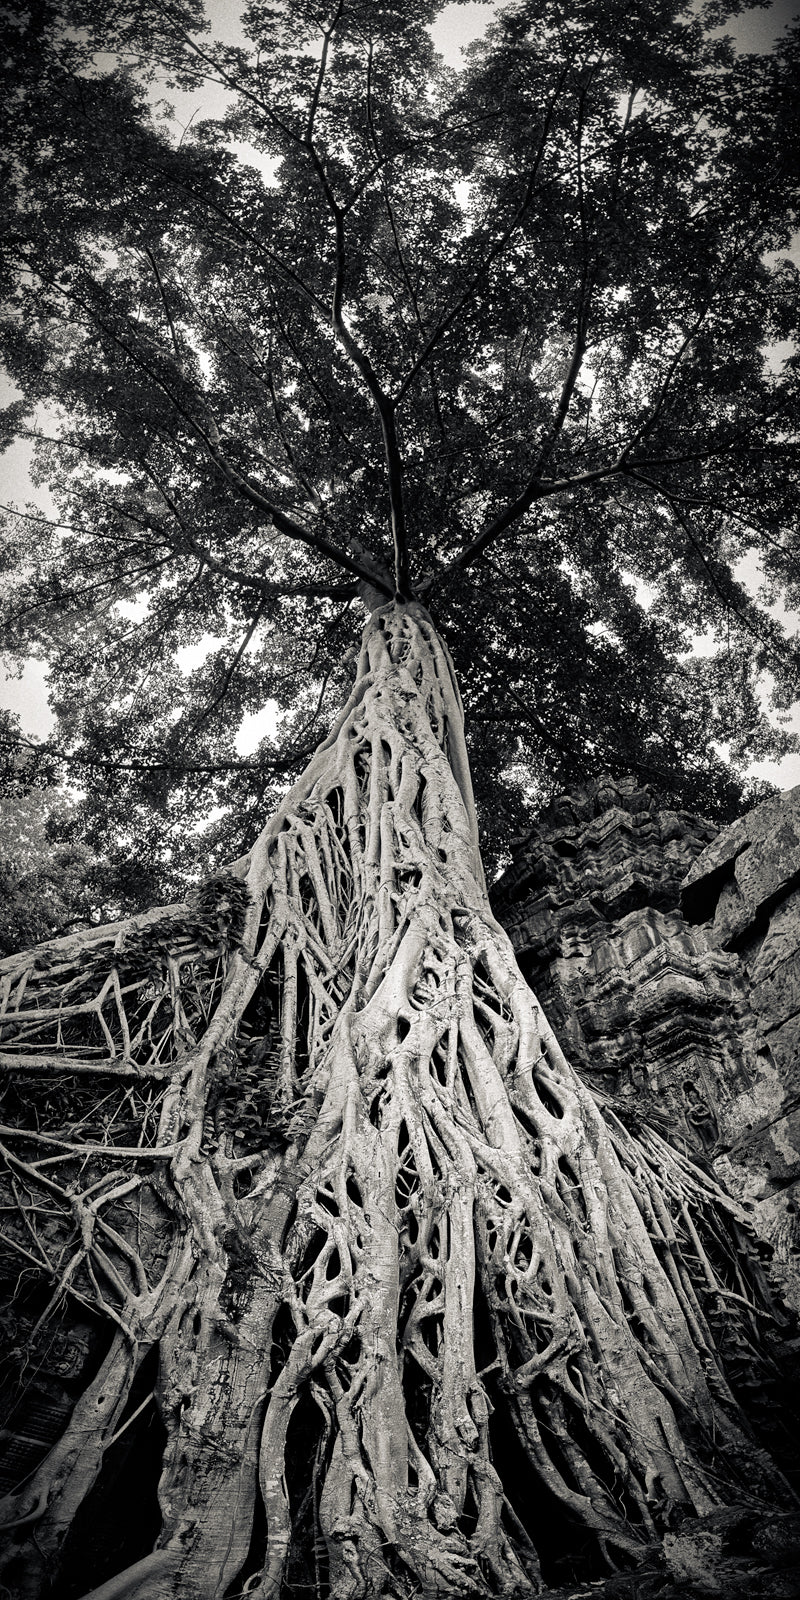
(421, 1311)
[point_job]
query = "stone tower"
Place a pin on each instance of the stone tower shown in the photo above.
(667, 956)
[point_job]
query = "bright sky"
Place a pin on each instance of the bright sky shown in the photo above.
(456, 26)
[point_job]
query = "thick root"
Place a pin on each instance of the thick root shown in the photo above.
(401, 1228)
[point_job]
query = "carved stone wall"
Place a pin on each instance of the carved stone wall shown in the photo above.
(689, 1020)
(745, 891)
(42, 1372)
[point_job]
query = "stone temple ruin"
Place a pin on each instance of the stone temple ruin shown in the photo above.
(667, 957)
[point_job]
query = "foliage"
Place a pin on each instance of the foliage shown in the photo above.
(47, 885)
(498, 338)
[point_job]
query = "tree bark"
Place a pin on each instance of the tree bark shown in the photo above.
(432, 1233)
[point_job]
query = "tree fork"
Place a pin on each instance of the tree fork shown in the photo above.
(430, 1223)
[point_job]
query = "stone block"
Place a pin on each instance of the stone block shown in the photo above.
(783, 1044)
(733, 914)
(776, 998)
(760, 853)
(782, 938)
(693, 1024)
(772, 863)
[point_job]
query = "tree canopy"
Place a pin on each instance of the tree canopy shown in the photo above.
(50, 881)
(496, 338)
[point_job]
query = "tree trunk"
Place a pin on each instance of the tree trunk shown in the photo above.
(422, 1313)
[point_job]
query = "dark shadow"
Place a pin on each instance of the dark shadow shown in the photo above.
(120, 1518)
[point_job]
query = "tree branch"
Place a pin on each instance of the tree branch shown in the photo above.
(248, 634)
(533, 488)
(276, 764)
(382, 161)
(248, 580)
(312, 493)
(489, 259)
(536, 488)
(361, 361)
(159, 280)
(684, 522)
(351, 346)
(237, 480)
(649, 422)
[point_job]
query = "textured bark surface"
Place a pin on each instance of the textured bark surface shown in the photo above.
(423, 1316)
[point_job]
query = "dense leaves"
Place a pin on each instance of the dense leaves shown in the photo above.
(47, 887)
(500, 338)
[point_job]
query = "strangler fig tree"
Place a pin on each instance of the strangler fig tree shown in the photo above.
(431, 1225)
(373, 1298)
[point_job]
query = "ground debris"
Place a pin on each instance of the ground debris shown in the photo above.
(732, 1554)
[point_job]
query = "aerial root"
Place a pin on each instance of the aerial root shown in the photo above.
(394, 1210)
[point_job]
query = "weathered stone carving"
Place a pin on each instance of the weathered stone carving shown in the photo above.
(690, 1023)
(745, 888)
(41, 1371)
